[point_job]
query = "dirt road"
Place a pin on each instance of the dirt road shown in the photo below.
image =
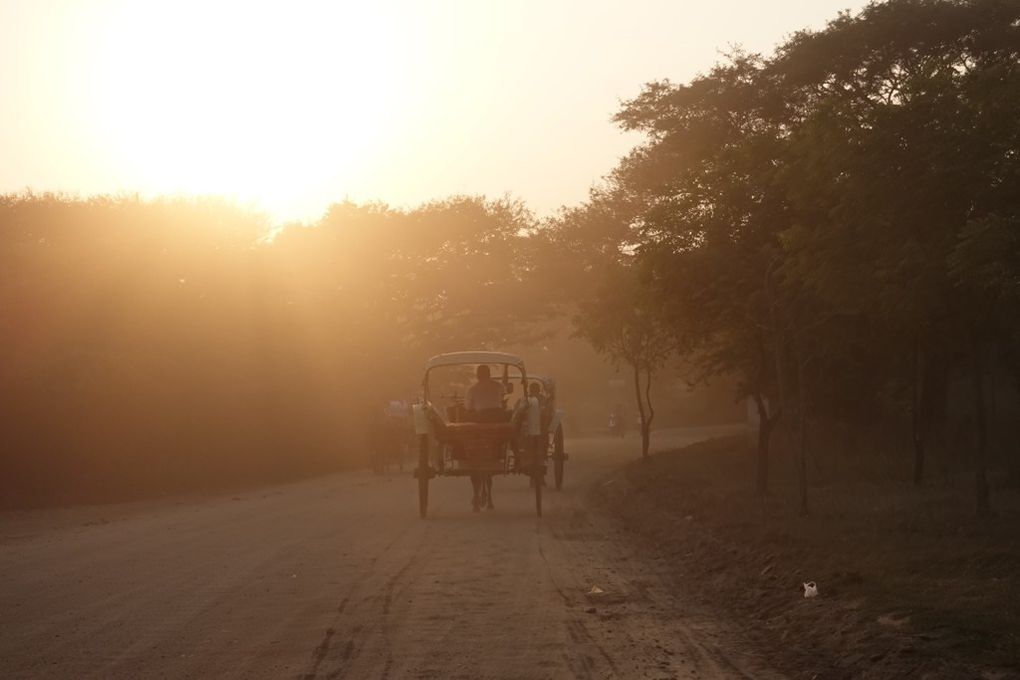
(338, 578)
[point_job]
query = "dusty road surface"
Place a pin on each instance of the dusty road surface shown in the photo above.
(339, 578)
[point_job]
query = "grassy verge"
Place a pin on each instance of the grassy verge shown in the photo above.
(911, 584)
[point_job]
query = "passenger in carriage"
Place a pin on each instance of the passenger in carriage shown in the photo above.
(483, 403)
(484, 400)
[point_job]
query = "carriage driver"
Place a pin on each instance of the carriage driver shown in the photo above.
(484, 400)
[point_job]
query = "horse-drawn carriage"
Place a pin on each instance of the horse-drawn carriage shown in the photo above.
(390, 435)
(454, 441)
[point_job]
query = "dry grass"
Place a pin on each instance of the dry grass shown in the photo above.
(911, 583)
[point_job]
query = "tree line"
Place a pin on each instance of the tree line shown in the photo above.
(835, 223)
(156, 345)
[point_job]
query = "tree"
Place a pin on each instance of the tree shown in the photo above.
(709, 225)
(621, 322)
(904, 141)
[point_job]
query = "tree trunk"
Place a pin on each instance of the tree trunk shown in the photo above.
(1013, 362)
(765, 427)
(646, 423)
(641, 410)
(917, 415)
(984, 507)
(992, 413)
(802, 437)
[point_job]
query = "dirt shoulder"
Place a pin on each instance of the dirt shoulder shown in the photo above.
(910, 583)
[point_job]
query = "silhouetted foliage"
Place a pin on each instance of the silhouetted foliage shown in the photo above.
(621, 322)
(835, 227)
(150, 346)
(836, 224)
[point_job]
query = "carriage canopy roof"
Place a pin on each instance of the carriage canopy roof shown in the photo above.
(460, 358)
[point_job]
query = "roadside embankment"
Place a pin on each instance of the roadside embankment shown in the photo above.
(910, 583)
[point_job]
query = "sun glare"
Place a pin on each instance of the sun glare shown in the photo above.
(246, 100)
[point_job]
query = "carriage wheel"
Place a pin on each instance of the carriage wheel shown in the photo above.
(423, 475)
(537, 479)
(558, 457)
(538, 494)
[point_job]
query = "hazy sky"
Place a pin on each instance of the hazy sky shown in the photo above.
(293, 105)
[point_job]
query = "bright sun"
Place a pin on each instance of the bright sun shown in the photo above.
(247, 100)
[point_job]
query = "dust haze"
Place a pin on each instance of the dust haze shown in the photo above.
(748, 410)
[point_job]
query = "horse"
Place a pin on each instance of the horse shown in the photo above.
(481, 487)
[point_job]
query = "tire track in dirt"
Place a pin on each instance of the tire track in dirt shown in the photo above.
(633, 627)
(368, 635)
(583, 668)
(320, 653)
(552, 578)
(322, 650)
(387, 603)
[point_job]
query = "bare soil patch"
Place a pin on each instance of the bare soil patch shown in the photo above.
(910, 583)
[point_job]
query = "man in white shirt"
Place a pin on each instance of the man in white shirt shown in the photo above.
(534, 410)
(535, 441)
(484, 400)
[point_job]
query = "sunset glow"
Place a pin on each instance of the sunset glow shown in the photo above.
(509, 339)
(290, 107)
(252, 105)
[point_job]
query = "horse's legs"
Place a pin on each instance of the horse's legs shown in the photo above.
(488, 492)
(476, 493)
